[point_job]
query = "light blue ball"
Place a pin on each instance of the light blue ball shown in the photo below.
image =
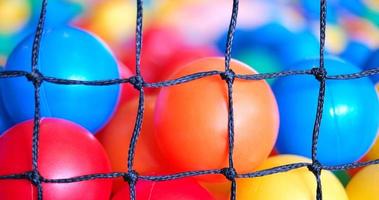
(66, 53)
(350, 116)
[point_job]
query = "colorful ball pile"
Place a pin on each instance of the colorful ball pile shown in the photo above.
(87, 129)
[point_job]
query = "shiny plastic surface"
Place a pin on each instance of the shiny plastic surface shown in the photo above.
(350, 116)
(191, 119)
(65, 150)
(66, 53)
(181, 189)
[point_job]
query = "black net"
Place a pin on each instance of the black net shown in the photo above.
(139, 84)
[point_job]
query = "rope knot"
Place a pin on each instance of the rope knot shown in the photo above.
(319, 73)
(229, 173)
(315, 167)
(34, 177)
(228, 75)
(137, 82)
(131, 177)
(36, 77)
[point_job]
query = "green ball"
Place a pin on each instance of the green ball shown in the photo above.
(343, 176)
(261, 60)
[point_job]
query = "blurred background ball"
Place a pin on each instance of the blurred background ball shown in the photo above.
(373, 62)
(356, 53)
(112, 20)
(66, 53)
(164, 50)
(348, 127)
(298, 46)
(59, 12)
(14, 15)
(65, 150)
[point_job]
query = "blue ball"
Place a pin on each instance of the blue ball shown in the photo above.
(300, 45)
(350, 116)
(268, 36)
(311, 9)
(373, 62)
(271, 34)
(66, 53)
(356, 52)
(5, 122)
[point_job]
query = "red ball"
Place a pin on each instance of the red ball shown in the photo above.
(127, 91)
(65, 150)
(183, 189)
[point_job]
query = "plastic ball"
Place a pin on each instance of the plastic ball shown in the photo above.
(116, 135)
(356, 53)
(219, 190)
(364, 185)
(343, 176)
(14, 15)
(354, 171)
(295, 184)
(158, 61)
(348, 127)
(112, 20)
(127, 91)
(299, 46)
(185, 189)
(20, 18)
(259, 47)
(59, 12)
(195, 116)
(5, 122)
(65, 150)
(373, 62)
(356, 7)
(336, 41)
(265, 61)
(374, 151)
(270, 35)
(65, 53)
(311, 10)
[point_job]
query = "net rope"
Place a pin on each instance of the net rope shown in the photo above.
(132, 176)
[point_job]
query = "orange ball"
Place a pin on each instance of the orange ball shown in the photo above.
(116, 136)
(191, 119)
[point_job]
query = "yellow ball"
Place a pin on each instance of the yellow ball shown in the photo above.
(365, 184)
(337, 39)
(374, 151)
(14, 14)
(113, 20)
(296, 184)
